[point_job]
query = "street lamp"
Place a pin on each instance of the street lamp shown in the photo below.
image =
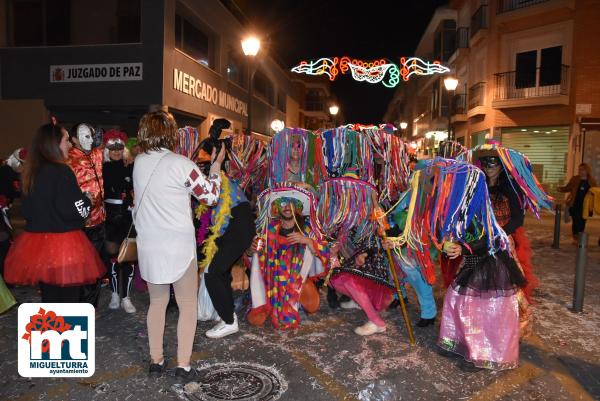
(450, 83)
(333, 110)
(277, 125)
(250, 46)
(403, 125)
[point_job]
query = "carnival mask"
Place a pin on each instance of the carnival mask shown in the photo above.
(85, 137)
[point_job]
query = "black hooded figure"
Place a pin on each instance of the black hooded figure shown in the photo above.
(213, 141)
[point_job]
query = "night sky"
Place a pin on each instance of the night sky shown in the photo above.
(296, 30)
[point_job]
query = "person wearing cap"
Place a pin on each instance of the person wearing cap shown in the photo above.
(284, 260)
(118, 189)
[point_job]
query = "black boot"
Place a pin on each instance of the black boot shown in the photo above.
(426, 322)
(332, 299)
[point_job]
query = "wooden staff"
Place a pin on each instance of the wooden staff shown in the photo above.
(409, 329)
(380, 216)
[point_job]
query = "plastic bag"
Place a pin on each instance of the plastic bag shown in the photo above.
(567, 215)
(206, 310)
(381, 390)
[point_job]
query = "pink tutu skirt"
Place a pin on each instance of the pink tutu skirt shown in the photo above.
(483, 330)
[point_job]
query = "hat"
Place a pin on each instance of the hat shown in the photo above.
(284, 193)
(114, 139)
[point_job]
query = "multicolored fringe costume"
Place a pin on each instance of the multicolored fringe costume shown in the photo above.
(370, 285)
(522, 184)
(279, 269)
(279, 155)
(448, 201)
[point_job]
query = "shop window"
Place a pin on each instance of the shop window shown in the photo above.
(67, 22)
(194, 41)
(262, 87)
(236, 69)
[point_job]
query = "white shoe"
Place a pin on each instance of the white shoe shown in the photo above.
(349, 305)
(127, 305)
(223, 329)
(369, 328)
(114, 301)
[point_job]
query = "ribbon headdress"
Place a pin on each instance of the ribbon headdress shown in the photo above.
(522, 179)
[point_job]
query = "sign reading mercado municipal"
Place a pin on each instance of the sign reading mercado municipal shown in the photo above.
(192, 86)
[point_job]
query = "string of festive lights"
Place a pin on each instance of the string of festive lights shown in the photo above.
(376, 71)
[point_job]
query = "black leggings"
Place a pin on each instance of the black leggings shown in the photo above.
(236, 239)
(121, 275)
(578, 225)
(90, 293)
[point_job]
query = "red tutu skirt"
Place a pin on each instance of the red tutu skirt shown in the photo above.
(61, 259)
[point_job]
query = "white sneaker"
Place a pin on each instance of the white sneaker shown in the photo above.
(127, 305)
(223, 329)
(114, 301)
(349, 305)
(369, 328)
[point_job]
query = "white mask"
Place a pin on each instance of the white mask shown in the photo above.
(84, 135)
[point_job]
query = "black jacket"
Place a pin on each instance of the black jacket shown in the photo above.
(55, 203)
(118, 182)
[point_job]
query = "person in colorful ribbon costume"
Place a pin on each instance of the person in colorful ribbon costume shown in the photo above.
(286, 255)
(513, 188)
(418, 276)
(364, 277)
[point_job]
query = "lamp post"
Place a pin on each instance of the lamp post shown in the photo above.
(450, 84)
(250, 46)
(277, 125)
(333, 110)
(403, 126)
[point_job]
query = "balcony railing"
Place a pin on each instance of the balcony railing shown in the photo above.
(509, 5)
(462, 38)
(476, 95)
(459, 104)
(513, 85)
(479, 20)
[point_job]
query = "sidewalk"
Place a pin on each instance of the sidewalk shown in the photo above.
(325, 360)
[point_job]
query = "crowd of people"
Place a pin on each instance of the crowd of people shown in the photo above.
(344, 208)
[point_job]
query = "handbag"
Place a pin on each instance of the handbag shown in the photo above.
(128, 248)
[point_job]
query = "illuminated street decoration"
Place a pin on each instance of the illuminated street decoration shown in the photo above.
(377, 71)
(322, 66)
(415, 65)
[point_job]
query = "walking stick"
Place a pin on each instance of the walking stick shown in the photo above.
(409, 329)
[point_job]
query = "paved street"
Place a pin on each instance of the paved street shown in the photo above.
(325, 360)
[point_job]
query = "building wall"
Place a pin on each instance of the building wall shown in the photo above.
(20, 120)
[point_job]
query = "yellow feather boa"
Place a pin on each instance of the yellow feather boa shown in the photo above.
(209, 249)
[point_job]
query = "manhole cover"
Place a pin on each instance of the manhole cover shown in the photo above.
(236, 381)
